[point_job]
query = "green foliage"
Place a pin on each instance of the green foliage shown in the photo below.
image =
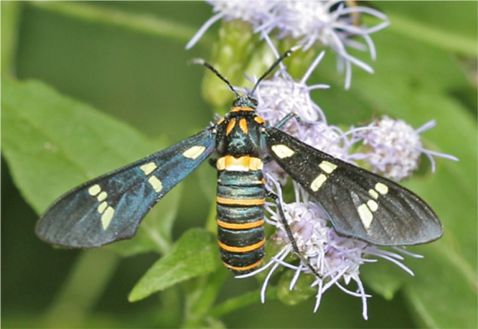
(194, 254)
(53, 141)
(301, 291)
(67, 141)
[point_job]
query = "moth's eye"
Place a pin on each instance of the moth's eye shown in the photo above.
(254, 101)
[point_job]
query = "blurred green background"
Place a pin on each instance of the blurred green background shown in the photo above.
(127, 60)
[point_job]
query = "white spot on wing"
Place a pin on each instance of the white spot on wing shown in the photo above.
(102, 207)
(373, 193)
(194, 152)
(155, 183)
(102, 196)
(282, 151)
(94, 190)
(381, 188)
(372, 205)
(366, 215)
(327, 166)
(107, 217)
(148, 168)
(317, 183)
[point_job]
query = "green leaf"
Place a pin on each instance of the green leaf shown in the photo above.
(433, 36)
(444, 297)
(194, 254)
(447, 24)
(53, 143)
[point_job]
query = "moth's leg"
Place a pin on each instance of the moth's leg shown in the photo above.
(217, 117)
(212, 161)
(288, 231)
(286, 119)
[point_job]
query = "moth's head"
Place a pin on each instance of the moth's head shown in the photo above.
(245, 101)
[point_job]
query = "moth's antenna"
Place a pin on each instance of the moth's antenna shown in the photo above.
(201, 61)
(273, 66)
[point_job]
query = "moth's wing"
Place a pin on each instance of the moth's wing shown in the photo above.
(111, 207)
(359, 203)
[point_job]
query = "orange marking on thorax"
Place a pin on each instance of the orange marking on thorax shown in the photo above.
(243, 126)
(244, 163)
(241, 108)
(259, 120)
(230, 126)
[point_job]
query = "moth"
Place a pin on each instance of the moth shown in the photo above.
(358, 203)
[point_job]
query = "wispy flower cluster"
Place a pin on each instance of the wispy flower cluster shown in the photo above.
(335, 258)
(323, 23)
(395, 147)
(389, 146)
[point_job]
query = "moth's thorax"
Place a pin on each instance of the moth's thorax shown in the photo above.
(239, 132)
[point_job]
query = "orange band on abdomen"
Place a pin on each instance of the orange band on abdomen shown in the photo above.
(243, 268)
(239, 226)
(244, 249)
(240, 202)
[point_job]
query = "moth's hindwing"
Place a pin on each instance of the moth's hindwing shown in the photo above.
(110, 207)
(359, 203)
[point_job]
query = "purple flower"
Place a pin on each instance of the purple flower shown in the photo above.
(329, 23)
(335, 258)
(394, 147)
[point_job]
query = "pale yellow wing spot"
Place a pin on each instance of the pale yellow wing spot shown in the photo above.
(194, 152)
(373, 193)
(107, 217)
(372, 205)
(381, 188)
(282, 151)
(94, 190)
(327, 166)
(148, 168)
(155, 183)
(102, 207)
(365, 215)
(317, 182)
(102, 196)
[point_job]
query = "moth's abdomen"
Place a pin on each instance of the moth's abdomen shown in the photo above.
(240, 212)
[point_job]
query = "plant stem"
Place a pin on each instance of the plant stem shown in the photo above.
(82, 289)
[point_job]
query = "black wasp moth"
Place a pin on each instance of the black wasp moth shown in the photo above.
(358, 203)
